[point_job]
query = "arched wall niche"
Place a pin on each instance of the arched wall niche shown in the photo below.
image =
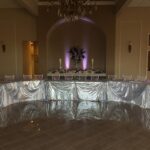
(84, 34)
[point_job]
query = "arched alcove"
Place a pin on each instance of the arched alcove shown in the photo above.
(83, 34)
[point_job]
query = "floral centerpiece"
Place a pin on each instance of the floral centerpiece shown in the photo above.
(76, 55)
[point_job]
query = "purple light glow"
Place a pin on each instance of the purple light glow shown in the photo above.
(67, 60)
(87, 20)
(85, 48)
(67, 56)
(85, 61)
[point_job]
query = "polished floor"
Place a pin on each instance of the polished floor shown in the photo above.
(59, 134)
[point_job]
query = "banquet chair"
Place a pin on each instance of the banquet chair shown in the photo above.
(68, 76)
(94, 77)
(27, 77)
(112, 77)
(82, 77)
(141, 78)
(55, 76)
(38, 76)
(127, 77)
(9, 77)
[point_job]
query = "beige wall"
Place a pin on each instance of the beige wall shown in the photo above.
(80, 34)
(132, 27)
(16, 26)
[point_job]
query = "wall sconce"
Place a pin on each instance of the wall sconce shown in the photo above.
(130, 47)
(148, 39)
(3, 46)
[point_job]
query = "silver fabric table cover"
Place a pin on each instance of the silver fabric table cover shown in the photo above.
(117, 100)
(89, 91)
(22, 91)
(130, 92)
(137, 93)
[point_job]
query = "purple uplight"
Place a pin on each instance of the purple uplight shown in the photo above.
(85, 61)
(67, 60)
(67, 55)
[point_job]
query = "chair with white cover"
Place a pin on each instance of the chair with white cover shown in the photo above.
(82, 76)
(112, 77)
(55, 76)
(27, 77)
(68, 76)
(94, 77)
(127, 77)
(9, 77)
(141, 78)
(38, 76)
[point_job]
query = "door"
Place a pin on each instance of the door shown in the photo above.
(30, 57)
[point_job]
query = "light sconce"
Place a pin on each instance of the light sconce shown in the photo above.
(148, 39)
(130, 47)
(3, 46)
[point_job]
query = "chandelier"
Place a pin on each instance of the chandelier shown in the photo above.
(72, 10)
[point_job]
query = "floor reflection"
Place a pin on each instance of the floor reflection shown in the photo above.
(74, 110)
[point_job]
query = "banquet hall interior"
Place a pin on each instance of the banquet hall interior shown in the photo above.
(74, 74)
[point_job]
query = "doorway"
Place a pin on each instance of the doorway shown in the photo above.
(30, 57)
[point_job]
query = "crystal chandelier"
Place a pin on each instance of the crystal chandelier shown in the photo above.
(72, 10)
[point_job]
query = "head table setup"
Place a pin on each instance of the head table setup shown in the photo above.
(72, 98)
(74, 94)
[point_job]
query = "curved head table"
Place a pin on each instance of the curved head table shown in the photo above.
(114, 100)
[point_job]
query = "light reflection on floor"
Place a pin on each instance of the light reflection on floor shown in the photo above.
(35, 126)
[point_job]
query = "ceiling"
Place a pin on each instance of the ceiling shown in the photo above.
(9, 4)
(32, 5)
(139, 3)
(98, 2)
(132, 3)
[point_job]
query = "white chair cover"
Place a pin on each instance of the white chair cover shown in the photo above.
(68, 76)
(55, 76)
(9, 77)
(38, 76)
(27, 77)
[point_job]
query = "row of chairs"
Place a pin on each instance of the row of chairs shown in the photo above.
(24, 77)
(68, 77)
(127, 78)
(79, 77)
(53, 77)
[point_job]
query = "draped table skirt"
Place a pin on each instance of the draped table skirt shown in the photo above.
(113, 100)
